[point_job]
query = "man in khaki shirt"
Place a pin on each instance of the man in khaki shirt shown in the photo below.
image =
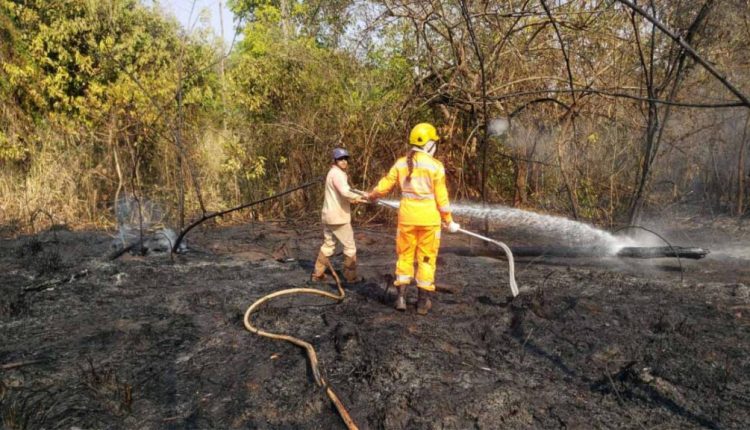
(337, 219)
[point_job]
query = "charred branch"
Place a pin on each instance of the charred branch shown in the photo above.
(618, 94)
(642, 252)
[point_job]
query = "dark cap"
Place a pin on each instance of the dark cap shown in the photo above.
(339, 153)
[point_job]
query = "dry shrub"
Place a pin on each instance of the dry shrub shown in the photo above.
(57, 181)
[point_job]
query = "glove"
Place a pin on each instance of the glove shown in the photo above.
(453, 227)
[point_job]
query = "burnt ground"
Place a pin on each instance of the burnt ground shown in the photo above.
(158, 342)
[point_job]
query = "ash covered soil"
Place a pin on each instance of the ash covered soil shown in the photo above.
(158, 343)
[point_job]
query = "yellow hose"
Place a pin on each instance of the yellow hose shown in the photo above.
(301, 343)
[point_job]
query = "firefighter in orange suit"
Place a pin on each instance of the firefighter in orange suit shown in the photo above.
(424, 207)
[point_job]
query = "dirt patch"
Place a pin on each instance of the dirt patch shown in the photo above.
(158, 342)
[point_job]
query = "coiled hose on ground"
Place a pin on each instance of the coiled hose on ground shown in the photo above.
(311, 355)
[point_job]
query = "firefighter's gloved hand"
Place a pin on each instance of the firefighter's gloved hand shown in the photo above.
(453, 227)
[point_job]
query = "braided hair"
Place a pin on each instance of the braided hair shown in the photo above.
(410, 164)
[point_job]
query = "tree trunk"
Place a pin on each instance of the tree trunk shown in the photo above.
(521, 172)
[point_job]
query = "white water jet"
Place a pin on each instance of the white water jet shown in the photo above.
(573, 232)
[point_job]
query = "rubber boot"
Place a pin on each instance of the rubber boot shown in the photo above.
(321, 264)
(423, 302)
(350, 270)
(401, 299)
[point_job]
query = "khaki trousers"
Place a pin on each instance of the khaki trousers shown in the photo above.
(341, 232)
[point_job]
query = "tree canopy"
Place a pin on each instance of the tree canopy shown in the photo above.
(615, 107)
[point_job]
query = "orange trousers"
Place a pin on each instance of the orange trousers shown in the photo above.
(420, 244)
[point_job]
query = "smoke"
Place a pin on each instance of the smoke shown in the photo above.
(498, 126)
(699, 164)
(724, 236)
(739, 251)
(138, 215)
(133, 213)
(533, 142)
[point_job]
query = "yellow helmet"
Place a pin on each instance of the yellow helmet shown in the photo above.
(423, 133)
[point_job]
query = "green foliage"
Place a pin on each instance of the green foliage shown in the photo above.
(323, 21)
(302, 98)
(11, 151)
(99, 98)
(104, 77)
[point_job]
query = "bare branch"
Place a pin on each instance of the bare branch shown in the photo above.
(711, 69)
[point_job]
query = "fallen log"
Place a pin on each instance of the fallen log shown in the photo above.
(662, 252)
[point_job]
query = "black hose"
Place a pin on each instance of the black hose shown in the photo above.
(206, 217)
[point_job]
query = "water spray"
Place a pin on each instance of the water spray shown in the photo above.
(508, 253)
(576, 232)
(591, 241)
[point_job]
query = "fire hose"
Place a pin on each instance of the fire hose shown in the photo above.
(311, 355)
(504, 247)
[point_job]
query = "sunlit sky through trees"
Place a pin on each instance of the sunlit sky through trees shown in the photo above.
(198, 14)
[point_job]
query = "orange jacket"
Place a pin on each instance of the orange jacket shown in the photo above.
(424, 199)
